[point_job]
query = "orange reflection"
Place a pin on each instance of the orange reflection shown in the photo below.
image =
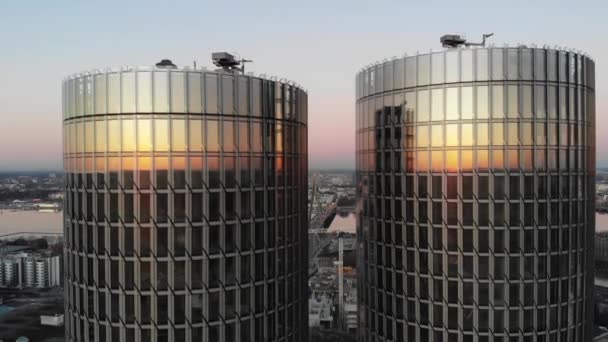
(128, 163)
(144, 163)
(100, 164)
(467, 135)
(497, 159)
(482, 159)
(279, 163)
(213, 163)
(89, 164)
(179, 163)
(128, 135)
(451, 161)
(437, 161)
(528, 161)
(513, 159)
(161, 163)
(113, 164)
(422, 161)
(466, 160)
(144, 135)
(196, 163)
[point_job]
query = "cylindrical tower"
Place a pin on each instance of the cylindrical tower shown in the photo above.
(475, 171)
(186, 203)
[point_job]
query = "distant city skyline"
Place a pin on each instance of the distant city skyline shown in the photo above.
(323, 44)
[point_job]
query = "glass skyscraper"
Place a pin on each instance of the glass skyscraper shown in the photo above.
(475, 171)
(186, 203)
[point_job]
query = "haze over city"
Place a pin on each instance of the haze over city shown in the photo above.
(318, 44)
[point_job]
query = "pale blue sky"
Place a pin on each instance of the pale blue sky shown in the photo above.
(319, 44)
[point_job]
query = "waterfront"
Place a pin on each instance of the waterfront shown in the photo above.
(18, 221)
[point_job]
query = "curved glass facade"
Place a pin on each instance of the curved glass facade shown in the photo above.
(475, 172)
(186, 203)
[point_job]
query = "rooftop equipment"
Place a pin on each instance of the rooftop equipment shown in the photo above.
(456, 40)
(228, 61)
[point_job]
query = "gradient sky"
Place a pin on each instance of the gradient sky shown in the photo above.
(319, 44)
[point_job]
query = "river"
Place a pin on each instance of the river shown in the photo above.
(19, 221)
(34, 221)
(348, 223)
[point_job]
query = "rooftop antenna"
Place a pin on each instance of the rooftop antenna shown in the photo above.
(456, 40)
(228, 61)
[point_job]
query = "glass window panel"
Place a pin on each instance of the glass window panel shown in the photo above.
(497, 159)
(482, 134)
(437, 161)
(144, 135)
(551, 102)
(161, 92)
(482, 159)
(423, 106)
(100, 94)
(398, 73)
(211, 94)
(114, 136)
(437, 105)
(540, 133)
(422, 136)
(243, 96)
(563, 95)
(466, 160)
(452, 105)
(482, 102)
(513, 101)
(497, 64)
(227, 95)
(451, 160)
(498, 110)
(228, 138)
(256, 97)
(551, 65)
(213, 136)
(512, 64)
(452, 66)
(196, 135)
(539, 99)
(79, 137)
(466, 96)
(89, 138)
(410, 71)
(114, 93)
(437, 67)
(128, 92)
(243, 136)
(466, 59)
(195, 101)
(539, 64)
(144, 92)
(497, 134)
(128, 136)
(178, 135)
(527, 138)
(178, 93)
(451, 135)
(526, 92)
(513, 134)
(256, 137)
(161, 135)
(467, 135)
(423, 70)
(526, 64)
(482, 64)
(437, 135)
(100, 136)
(422, 160)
